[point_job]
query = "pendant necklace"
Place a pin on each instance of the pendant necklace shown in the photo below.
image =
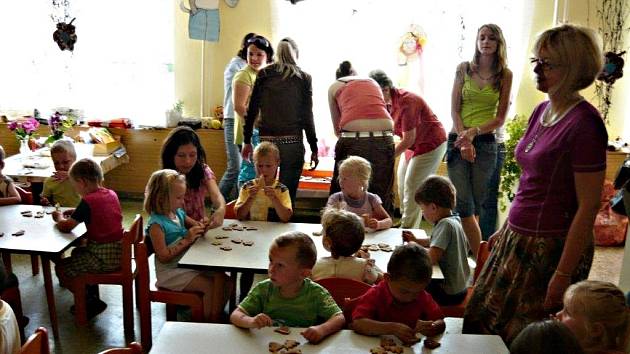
(546, 122)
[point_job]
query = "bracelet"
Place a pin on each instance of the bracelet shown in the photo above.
(563, 274)
(478, 131)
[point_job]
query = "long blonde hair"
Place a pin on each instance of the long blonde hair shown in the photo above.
(286, 60)
(499, 64)
(157, 195)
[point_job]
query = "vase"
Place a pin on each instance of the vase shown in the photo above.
(24, 148)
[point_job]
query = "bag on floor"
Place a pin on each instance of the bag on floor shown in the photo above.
(610, 227)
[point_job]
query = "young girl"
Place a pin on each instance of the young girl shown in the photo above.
(546, 337)
(8, 193)
(596, 312)
(182, 151)
(100, 210)
(343, 236)
(354, 178)
(172, 232)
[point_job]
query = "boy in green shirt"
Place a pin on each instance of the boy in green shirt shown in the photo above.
(288, 297)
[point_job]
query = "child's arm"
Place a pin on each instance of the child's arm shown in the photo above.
(13, 196)
(240, 319)
(218, 203)
(284, 212)
(408, 236)
(315, 334)
(380, 220)
(371, 327)
(436, 254)
(65, 223)
(242, 211)
(166, 253)
(431, 328)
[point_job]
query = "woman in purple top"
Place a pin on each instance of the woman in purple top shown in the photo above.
(547, 242)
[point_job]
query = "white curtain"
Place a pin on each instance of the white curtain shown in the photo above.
(121, 65)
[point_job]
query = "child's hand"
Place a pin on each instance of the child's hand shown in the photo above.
(404, 333)
(269, 192)
(362, 254)
(195, 232)
(68, 213)
(428, 328)
(261, 320)
(44, 201)
(408, 236)
(56, 215)
(313, 334)
(372, 223)
(60, 175)
(253, 191)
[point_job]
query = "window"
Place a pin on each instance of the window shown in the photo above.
(121, 65)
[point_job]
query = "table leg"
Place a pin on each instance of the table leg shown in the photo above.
(50, 296)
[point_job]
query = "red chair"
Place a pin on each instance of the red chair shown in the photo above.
(458, 310)
(342, 290)
(12, 297)
(229, 210)
(123, 277)
(132, 348)
(147, 293)
(37, 343)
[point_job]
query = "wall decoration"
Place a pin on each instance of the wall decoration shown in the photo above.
(65, 33)
(204, 22)
(231, 3)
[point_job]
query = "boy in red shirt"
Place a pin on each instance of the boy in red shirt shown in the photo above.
(399, 305)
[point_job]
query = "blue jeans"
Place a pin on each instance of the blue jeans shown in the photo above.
(471, 179)
(291, 165)
(228, 183)
(489, 208)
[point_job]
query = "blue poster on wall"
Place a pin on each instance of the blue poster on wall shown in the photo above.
(204, 25)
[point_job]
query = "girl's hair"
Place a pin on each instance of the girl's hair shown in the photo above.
(577, 50)
(2, 156)
(381, 79)
(293, 44)
(86, 169)
(266, 148)
(61, 146)
(358, 167)
(345, 69)
(601, 303)
(263, 44)
(500, 56)
(286, 60)
(157, 195)
(546, 337)
(345, 231)
(179, 136)
(242, 52)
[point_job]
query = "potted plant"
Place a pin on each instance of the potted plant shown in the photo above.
(58, 124)
(24, 130)
(511, 171)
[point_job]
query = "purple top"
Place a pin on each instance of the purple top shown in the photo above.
(365, 205)
(546, 201)
(194, 199)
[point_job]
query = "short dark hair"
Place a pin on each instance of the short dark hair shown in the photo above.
(242, 53)
(546, 337)
(345, 231)
(438, 190)
(306, 253)
(381, 78)
(345, 69)
(86, 169)
(410, 261)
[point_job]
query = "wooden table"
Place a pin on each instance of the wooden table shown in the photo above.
(203, 255)
(186, 337)
(41, 238)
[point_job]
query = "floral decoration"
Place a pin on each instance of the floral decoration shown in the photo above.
(24, 129)
(58, 124)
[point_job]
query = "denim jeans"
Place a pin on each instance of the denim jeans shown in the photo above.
(489, 208)
(291, 165)
(228, 184)
(471, 178)
(380, 152)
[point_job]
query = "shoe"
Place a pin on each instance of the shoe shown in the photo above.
(94, 307)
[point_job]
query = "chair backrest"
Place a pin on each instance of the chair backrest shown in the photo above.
(27, 197)
(129, 238)
(342, 288)
(482, 256)
(132, 348)
(37, 343)
(229, 210)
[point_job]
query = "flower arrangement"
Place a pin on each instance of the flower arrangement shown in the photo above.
(24, 129)
(58, 124)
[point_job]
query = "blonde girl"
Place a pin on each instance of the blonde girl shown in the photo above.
(596, 312)
(354, 177)
(172, 232)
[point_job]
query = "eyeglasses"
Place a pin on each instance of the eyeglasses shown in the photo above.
(544, 64)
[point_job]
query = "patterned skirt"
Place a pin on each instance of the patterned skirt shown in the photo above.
(510, 291)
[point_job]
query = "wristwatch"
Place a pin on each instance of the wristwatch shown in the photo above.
(231, 3)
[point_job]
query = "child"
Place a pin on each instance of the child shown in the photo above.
(399, 305)
(596, 312)
(546, 337)
(288, 297)
(354, 178)
(99, 209)
(182, 151)
(448, 245)
(264, 198)
(172, 232)
(8, 193)
(343, 236)
(58, 188)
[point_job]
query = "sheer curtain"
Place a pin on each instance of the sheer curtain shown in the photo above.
(121, 65)
(368, 32)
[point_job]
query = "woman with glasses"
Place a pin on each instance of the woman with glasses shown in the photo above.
(364, 128)
(479, 103)
(547, 242)
(283, 96)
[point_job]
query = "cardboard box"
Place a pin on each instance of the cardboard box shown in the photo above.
(106, 149)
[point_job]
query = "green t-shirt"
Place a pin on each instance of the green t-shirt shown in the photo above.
(478, 105)
(312, 306)
(61, 192)
(246, 76)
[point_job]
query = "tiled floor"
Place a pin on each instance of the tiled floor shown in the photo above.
(106, 330)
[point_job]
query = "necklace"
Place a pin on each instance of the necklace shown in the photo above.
(485, 78)
(546, 121)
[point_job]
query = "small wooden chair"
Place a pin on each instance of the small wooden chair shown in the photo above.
(37, 343)
(229, 210)
(123, 277)
(147, 293)
(342, 290)
(132, 348)
(458, 310)
(12, 297)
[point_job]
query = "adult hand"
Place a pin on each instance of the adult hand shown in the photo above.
(314, 161)
(215, 221)
(494, 238)
(246, 152)
(60, 175)
(466, 137)
(468, 153)
(313, 334)
(403, 332)
(261, 320)
(555, 291)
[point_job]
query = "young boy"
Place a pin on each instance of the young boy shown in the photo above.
(8, 193)
(58, 188)
(288, 297)
(448, 245)
(399, 305)
(100, 210)
(264, 198)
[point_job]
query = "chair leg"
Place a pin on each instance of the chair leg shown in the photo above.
(80, 305)
(35, 264)
(127, 295)
(6, 259)
(146, 335)
(171, 312)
